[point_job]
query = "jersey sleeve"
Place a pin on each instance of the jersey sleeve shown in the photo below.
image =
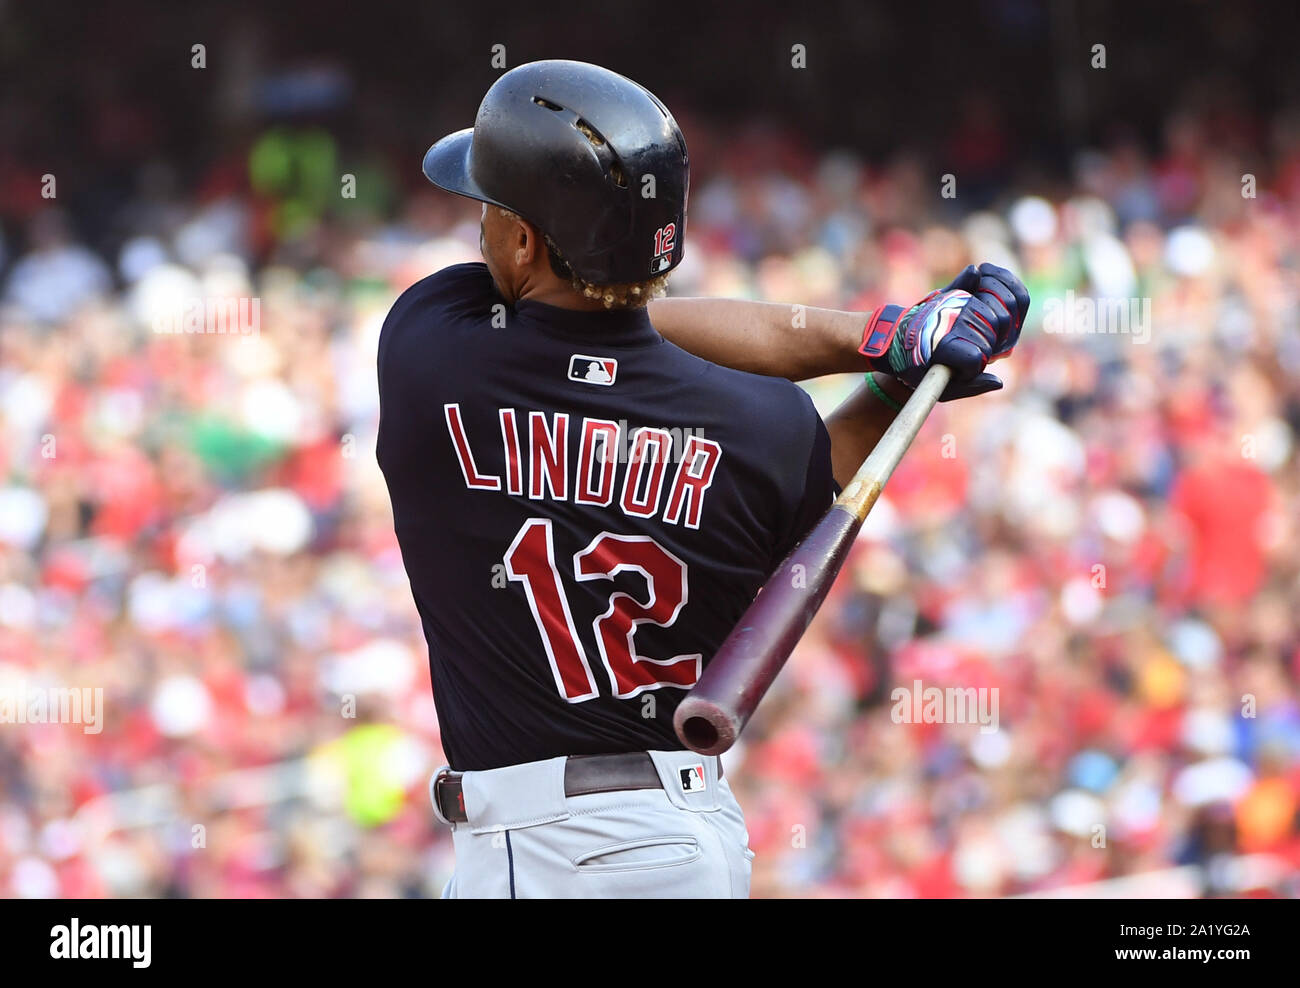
(812, 489)
(417, 349)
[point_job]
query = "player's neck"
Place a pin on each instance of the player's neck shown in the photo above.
(562, 296)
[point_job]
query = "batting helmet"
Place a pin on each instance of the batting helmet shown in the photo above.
(589, 157)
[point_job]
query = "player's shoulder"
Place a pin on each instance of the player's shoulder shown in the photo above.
(430, 311)
(774, 407)
(773, 426)
(456, 285)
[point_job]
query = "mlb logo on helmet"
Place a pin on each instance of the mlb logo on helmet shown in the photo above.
(593, 370)
(692, 778)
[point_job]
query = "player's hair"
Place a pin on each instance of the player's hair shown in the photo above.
(630, 296)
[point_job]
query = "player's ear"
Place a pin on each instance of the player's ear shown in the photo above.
(528, 241)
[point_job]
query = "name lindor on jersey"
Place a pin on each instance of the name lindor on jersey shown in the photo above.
(535, 451)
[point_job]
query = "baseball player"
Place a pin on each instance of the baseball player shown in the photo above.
(589, 489)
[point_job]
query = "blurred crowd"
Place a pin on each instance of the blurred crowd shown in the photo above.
(195, 523)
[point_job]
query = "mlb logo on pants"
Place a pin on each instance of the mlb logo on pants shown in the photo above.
(692, 778)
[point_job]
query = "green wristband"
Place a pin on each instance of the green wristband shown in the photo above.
(879, 392)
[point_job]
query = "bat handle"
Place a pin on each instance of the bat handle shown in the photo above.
(865, 487)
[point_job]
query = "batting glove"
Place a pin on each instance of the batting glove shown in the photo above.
(973, 321)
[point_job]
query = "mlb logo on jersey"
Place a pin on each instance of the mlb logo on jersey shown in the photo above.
(593, 370)
(692, 778)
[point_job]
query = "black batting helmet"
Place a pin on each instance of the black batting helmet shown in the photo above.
(589, 157)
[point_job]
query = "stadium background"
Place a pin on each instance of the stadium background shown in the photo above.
(196, 523)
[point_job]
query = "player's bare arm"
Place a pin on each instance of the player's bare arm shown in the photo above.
(791, 341)
(802, 342)
(973, 321)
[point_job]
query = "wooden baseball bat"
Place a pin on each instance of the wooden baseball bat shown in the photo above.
(712, 715)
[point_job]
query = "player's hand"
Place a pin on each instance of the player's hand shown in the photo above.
(975, 320)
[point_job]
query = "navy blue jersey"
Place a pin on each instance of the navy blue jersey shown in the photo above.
(584, 511)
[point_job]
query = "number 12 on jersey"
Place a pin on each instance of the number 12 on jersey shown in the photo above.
(530, 560)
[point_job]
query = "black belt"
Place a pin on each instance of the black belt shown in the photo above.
(583, 775)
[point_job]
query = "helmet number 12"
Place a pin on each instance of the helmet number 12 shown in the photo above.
(665, 238)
